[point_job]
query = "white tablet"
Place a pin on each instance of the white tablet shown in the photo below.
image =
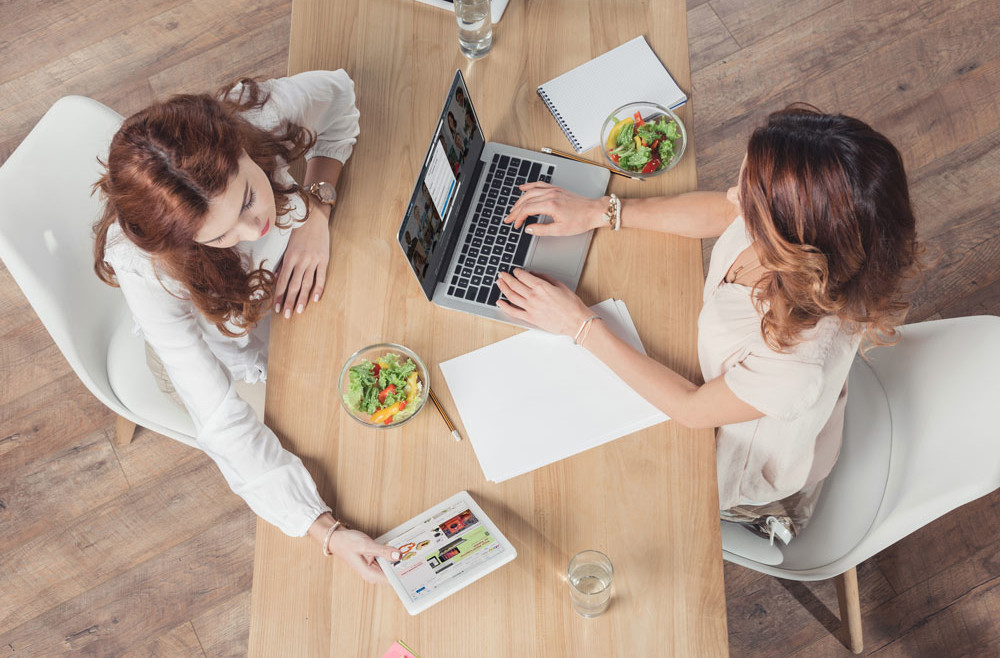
(496, 7)
(444, 549)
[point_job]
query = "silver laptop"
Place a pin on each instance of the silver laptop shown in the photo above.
(452, 234)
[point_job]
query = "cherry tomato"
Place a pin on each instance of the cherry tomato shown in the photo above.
(389, 390)
(651, 166)
(615, 158)
(388, 421)
(638, 119)
(402, 405)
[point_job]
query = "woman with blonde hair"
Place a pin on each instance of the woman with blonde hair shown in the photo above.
(205, 231)
(814, 243)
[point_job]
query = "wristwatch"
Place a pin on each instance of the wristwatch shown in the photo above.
(324, 192)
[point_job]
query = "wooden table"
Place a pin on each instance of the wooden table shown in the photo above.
(648, 500)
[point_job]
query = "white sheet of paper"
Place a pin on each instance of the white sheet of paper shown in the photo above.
(535, 398)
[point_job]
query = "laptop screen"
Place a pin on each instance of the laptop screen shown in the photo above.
(445, 177)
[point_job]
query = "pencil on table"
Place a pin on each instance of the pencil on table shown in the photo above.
(447, 421)
(570, 156)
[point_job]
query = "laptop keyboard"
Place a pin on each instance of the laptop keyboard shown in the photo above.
(490, 246)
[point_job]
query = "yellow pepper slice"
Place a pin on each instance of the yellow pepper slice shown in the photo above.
(617, 128)
(380, 415)
(411, 392)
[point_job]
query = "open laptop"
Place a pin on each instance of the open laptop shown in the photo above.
(452, 233)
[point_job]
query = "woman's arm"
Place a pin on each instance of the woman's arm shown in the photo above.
(692, 215)
(272, 481)
(710, 405)
(302, 274)
(552, 306)
(323, 102)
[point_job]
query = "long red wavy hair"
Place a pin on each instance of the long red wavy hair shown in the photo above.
(165, 164)
(827, 205)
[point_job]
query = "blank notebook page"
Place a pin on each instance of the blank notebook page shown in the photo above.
(534, 399)
(582, 99)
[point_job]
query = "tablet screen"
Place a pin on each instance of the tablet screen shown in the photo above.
(445, 549)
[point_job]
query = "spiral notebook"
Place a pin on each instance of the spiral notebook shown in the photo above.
(581, 99)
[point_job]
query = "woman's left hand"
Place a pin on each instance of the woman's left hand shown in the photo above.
(546, 303)
(302, 275)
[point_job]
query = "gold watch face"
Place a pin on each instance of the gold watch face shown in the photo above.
(325, 192)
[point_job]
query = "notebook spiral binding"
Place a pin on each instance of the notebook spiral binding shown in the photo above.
(562, 124)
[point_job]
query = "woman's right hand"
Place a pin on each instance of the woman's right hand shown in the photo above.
(359, 551)
(571, 213)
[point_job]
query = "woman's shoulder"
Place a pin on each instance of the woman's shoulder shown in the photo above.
(286, 96)
(128, 259)
(125, 256)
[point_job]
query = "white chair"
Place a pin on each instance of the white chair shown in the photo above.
(46, 242)
(921, 438)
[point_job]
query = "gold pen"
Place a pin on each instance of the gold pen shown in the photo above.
(570, 156)
(447, 421)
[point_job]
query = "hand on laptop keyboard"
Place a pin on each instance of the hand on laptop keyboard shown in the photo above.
(571, 213)
(546, 303)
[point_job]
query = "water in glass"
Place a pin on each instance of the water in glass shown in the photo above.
(590, 588)
(475, 31)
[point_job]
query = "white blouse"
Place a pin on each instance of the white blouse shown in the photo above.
(202, 362)
(802, 391)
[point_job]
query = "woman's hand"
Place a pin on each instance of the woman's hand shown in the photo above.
(546, 303)
(359, 551)
(302, 274)
(571, 213)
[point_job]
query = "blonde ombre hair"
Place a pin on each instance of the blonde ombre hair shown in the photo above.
(827, 206)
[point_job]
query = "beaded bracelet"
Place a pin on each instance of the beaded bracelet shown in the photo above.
(329, 533)
(614, 212)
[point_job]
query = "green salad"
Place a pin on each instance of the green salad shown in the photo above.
(384, 392)
(643, 146)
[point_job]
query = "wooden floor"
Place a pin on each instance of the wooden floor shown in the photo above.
(143, 551)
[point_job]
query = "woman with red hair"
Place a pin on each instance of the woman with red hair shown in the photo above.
(814, 243)
(204, 230)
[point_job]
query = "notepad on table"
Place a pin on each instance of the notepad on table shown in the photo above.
(581, 99)
(536, 398)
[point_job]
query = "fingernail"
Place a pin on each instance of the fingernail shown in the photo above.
(288, 313)
(277, 308)
(395, 555)
(300, 308)
(529, 230)
(316, 297)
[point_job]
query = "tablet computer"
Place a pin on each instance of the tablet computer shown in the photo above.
(444, 549)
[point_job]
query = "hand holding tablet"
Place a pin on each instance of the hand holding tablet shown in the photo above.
(442, 550)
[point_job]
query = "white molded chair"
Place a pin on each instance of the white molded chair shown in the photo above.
(46, 242)
(921, 438)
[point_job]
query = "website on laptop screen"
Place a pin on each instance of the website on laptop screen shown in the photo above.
(457, 143)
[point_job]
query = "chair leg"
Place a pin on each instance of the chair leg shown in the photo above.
(850, 609)
(124, 431)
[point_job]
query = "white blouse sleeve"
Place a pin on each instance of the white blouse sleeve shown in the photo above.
(323, 102)
(272, 481)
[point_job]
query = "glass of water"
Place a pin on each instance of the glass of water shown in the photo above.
(475, 29)
(590, 578)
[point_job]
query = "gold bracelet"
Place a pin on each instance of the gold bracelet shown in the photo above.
(582, 327)
(329, 534)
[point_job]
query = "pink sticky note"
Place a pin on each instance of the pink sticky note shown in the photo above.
(398, 650)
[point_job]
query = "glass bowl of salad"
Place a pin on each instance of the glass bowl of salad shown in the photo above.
(383, 385)
(643, 139)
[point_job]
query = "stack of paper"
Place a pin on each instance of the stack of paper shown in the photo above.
(536, 398)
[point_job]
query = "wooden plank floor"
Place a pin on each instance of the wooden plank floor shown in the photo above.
(143, 551)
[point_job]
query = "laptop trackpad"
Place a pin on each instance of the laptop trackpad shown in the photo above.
(560, 257)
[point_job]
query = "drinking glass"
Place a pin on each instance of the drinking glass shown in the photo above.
(590, 578)
(475, 29)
